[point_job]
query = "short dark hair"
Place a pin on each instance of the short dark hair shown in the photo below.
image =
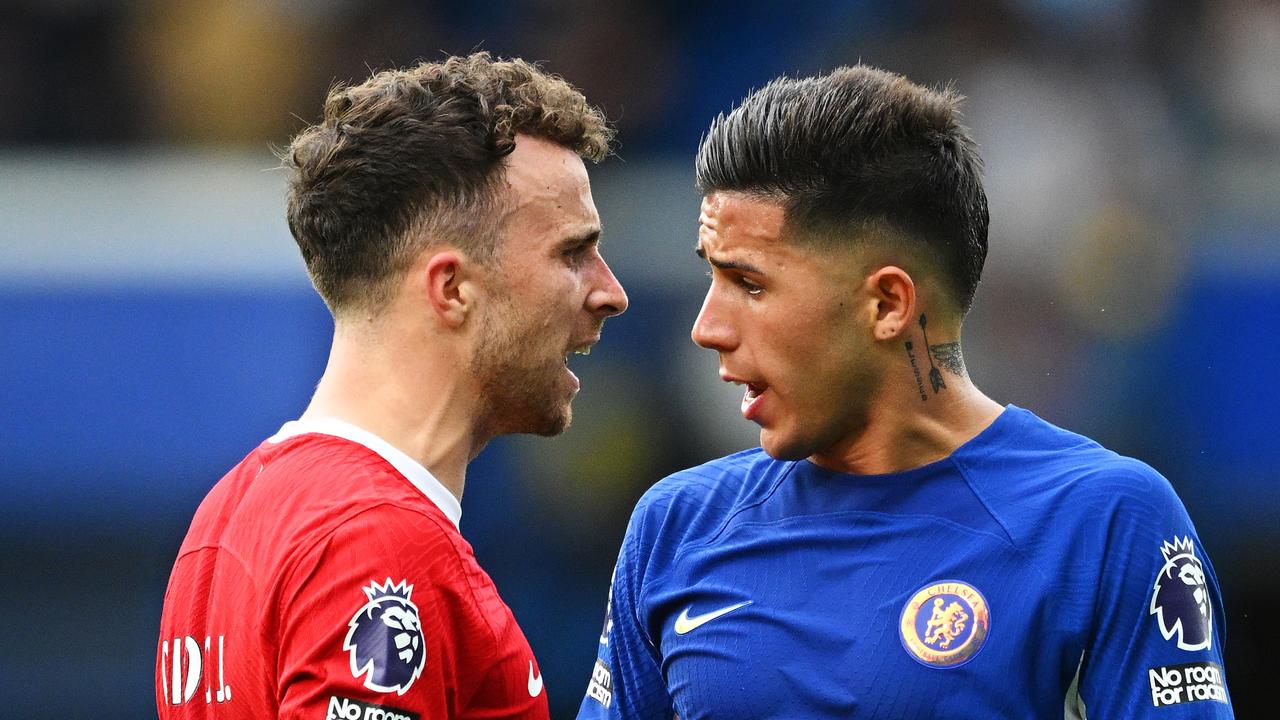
(856, 153)
(417, 154)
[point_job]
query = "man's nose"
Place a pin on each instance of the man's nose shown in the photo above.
(608, 298)
(711, 329)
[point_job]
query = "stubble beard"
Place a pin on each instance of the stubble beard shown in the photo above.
(519, 391)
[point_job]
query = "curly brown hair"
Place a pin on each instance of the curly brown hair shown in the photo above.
(415, 156)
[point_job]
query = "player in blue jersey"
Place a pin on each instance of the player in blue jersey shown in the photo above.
(900, 546)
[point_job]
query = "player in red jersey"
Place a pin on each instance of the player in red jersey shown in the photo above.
(445, 216)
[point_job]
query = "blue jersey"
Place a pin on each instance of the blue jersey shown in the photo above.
(1031, 574)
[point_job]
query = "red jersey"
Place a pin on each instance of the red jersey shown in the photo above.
(325, 577)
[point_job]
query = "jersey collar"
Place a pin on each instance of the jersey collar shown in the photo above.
(413, 471)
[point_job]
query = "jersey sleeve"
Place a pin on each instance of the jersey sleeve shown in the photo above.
(368, 618)
(1157, 646)
(626, 681)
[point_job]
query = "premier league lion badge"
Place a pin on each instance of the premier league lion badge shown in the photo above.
(1180, 599)
(945, 624)
(385, 639)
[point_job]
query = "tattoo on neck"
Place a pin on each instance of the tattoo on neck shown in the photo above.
(948, 357)
(916, 370)
(935, 376)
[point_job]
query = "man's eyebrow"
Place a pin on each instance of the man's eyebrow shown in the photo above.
(582, 239)
(727, 264)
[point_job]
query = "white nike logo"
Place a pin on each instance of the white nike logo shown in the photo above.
(686, 624)
(535, 681)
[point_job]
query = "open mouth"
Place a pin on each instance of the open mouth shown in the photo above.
(753, 396)
(584, 349)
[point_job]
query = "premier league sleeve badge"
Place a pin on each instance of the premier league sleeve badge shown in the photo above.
(385, 639)
(1180, 598)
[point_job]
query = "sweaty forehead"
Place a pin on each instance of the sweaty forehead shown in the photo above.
(738, 217)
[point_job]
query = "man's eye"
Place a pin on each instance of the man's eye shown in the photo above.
(577, 255)
(750, 287)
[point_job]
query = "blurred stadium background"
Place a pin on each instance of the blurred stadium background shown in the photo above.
(156, 322)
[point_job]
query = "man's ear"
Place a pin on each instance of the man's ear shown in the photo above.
(449, 286)
(894, 295)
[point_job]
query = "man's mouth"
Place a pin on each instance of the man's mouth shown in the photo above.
(579, 349)
(752, 400)
(753, 395)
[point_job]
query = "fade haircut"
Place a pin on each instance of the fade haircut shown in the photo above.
(859, 155)
(415, 156)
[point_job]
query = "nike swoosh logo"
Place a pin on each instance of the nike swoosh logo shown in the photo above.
(535, 682)
(686, 624)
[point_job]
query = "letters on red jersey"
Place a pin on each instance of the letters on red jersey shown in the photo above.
(325, 577)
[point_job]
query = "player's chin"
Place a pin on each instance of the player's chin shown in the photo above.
(552, 412)
(553, 418)
(546, 413)
(784, 446)
(554, 425)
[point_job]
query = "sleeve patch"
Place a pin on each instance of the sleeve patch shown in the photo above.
(1190, 682)
(601, 687)
(341, 708)
(1180, 599)
(385, 638)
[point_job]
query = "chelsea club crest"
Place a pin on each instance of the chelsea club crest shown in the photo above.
(945, 624)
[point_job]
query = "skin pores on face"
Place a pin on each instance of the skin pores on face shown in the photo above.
(790, 322)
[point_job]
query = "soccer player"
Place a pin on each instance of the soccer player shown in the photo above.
(445, 217)
(900, 546)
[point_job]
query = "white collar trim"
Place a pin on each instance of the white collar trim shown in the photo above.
(413, 470)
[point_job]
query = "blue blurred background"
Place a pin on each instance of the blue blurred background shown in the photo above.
(156, 322)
